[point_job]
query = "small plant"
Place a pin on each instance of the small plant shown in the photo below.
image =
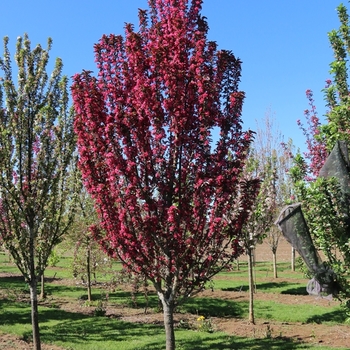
(88, 303)
(346, 307)
(52, 304)
(180, 346)
(54, 258)
(101, 306)
(301, 266)
(138, 284)
(183, 324)
(158, 308)
(83, 301)
(100, 309)
(204, 325)
(268, 332)
(27, 337)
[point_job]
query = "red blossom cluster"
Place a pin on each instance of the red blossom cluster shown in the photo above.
(316, 144)
(145, 129)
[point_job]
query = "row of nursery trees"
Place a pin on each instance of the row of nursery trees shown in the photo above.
(155, 143)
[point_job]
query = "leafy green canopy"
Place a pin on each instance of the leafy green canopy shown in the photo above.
(36, 157)
(321, 180)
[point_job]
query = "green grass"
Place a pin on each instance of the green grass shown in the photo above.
(76, 331)
(80, 332)
(233, 284)
(266, 310)
(237, 280)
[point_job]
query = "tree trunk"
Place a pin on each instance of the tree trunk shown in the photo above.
(42, 287)
(34, 313)
(168, 311)
(274, 262)
(88, 273)
(251, 286)
(293, 259)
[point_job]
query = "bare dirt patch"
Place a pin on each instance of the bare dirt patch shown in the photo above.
(12, 342)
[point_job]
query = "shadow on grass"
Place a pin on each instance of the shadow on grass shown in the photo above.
(13, 313)
(215, 307)
(66, 328)
(296, 291)
(77, 328)
(270, 287)
(243, 288)
(18, 283)
(136, 300)
(225, 342)
(17, 312)
(337, 316)
(61, 326)
(10, 282)
(57, 289)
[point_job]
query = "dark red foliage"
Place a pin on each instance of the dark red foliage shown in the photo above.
(146, 128)
(315, 141)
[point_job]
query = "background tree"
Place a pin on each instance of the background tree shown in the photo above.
(36, 153)
(271, 155)
(285, 195)
(325, 203)
(267, 160)
(260, 219)
(88, 257)
(145, 127)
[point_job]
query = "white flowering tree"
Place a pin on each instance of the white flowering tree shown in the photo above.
(36, 162)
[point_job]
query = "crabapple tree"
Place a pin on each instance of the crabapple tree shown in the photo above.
(36, 162)
(162, 150)
(325, 202)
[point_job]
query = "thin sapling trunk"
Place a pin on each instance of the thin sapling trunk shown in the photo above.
(251, 286)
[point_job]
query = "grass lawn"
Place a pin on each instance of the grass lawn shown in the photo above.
(78, 331)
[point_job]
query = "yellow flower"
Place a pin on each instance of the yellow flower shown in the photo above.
(200, 318)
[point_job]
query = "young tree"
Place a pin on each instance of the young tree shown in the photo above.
(325, 201)
(271, 154)
(145, 130)
(267, 160)
(36, 153)
(88, 257)
(260, 219)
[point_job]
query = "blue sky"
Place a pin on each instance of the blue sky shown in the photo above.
(283, 44)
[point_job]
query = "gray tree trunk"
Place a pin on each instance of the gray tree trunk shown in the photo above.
(42, 287)
(88, 273)
(293, 259)
(251, 286)
(274, 262)
(34, 314)
(168, 311)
